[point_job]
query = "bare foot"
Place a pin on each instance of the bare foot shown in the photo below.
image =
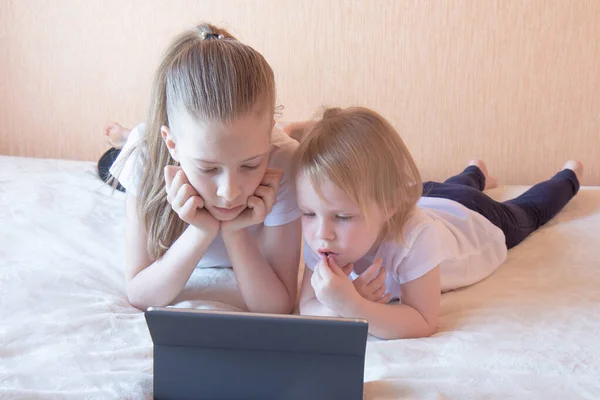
(575, 166)
(297, 130)
(490, 181)
(116, 135)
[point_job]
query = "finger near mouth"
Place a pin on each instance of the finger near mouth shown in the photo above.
(326, 254)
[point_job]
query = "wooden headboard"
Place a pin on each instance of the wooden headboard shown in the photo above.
(515, 83)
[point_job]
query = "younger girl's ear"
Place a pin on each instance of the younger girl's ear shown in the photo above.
(392, 212)
(165, 132)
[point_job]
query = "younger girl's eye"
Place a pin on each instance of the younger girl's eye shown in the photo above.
(250, 167)
(344, 217)
(207, 170)
(308, 214)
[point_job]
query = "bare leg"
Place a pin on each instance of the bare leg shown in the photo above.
(491, 182)
(575, 166)
(297, 130)
(475, 176)
(116, 135)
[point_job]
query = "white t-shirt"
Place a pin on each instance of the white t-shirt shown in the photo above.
(466, 246)
(284, 210)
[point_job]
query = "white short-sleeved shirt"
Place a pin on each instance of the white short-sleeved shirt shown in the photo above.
(284, 210)
(466, 246)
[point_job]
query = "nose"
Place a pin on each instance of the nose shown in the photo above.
(325, 231)
(228, 187)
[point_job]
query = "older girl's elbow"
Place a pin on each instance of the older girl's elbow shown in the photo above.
(135, 301)
(135, 298)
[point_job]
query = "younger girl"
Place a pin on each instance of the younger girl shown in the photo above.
(206, 178)
(367, 215)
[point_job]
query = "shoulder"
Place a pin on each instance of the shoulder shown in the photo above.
(282, 150)
(420, 226)
(285, 208)
(419, 233)
(425, 243)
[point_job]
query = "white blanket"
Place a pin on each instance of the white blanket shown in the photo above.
(531, 330)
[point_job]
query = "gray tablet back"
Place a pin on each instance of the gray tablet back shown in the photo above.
(221, 355)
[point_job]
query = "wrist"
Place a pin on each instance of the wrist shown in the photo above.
(229, 228)
(319, 309)
(202, 235)
(234, 236)
(353, 307)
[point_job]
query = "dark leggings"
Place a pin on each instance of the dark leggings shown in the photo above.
(104, 164)
(517, 217)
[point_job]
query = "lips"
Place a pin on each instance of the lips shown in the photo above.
(228, 210)
(327, 252)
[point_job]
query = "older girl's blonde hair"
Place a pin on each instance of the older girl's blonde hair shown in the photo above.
(209, 74)
(362, 154)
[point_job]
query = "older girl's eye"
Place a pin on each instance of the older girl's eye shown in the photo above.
(250, 167)
(207, 170)
(344, 217)
(308, 214)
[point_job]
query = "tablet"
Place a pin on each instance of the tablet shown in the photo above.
(201, 354)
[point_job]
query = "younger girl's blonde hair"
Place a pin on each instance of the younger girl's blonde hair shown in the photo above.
(362, 154)
(209, 74)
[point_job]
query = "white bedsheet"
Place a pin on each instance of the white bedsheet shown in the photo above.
(531, 330)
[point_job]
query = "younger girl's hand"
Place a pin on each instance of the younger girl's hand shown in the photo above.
(332, 286)
(187, 203)
(259, 204)
(371, 283)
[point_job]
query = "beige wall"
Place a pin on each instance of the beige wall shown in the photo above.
(514, 82)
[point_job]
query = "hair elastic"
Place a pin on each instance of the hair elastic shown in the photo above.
(208, 35)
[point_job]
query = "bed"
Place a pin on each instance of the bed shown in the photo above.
(531, 330)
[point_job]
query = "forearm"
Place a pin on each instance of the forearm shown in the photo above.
(316, 308)
(391, 321)
(162, 281)
(261, 288)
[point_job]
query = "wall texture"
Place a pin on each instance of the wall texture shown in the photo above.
(514, 82)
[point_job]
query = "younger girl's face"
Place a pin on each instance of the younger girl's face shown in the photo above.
(225, 163)
(334, 224)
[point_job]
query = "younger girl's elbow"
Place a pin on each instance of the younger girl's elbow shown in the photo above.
(432, 327)
(423, 331)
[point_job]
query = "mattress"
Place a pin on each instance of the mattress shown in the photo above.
(531, 330)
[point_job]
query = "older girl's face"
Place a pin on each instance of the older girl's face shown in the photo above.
(224, 162)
